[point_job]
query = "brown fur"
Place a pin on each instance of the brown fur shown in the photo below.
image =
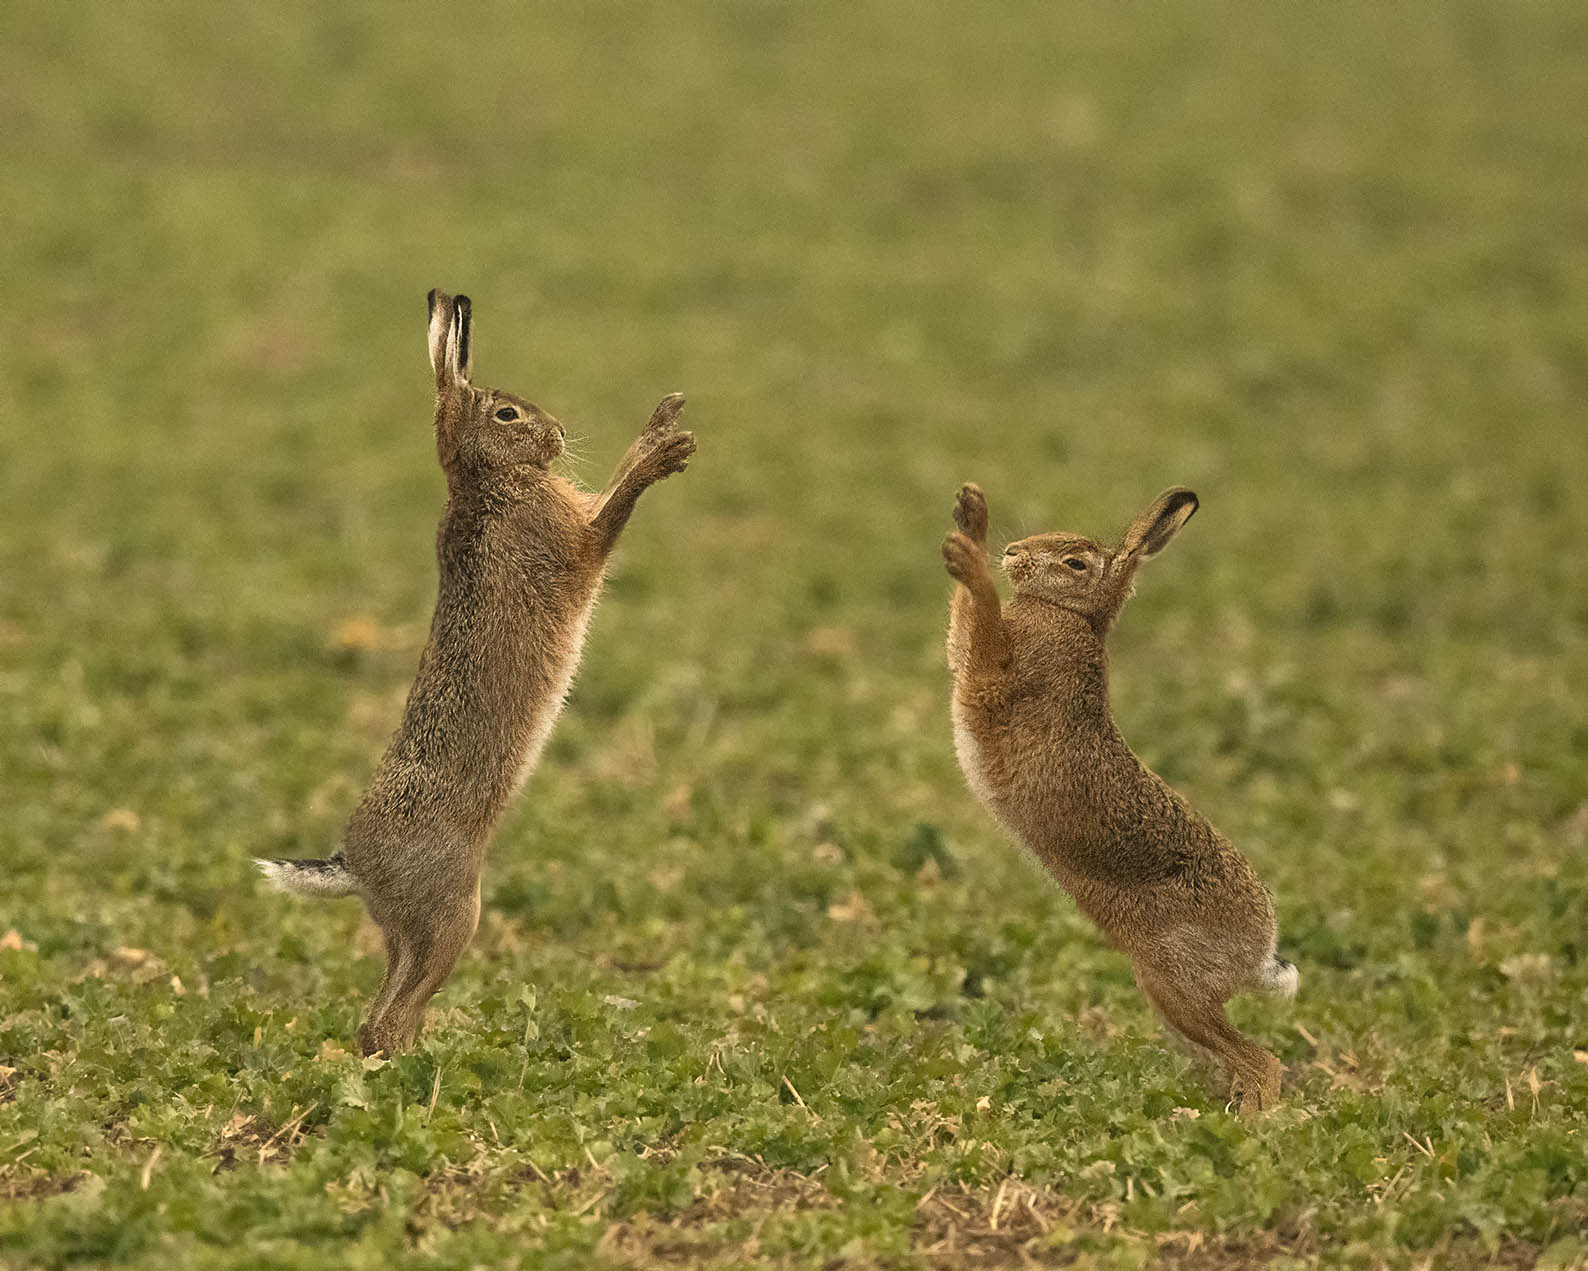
(522, 553)
(1038, 745)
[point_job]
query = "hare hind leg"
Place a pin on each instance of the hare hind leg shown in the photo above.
(1196, 1053)
(420, 954)
(1254, 1073)
(391, 937)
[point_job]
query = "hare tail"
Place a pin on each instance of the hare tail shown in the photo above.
(1278, 978)
(310, 877)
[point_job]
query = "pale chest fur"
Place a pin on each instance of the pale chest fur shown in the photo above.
(991, 745)
(543, 714)
(970, 753)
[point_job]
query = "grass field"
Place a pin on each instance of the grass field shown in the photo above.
(757, 982)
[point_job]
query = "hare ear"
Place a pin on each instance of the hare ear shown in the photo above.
(440, 323)
(1150, 532)
(451, 338)
(462, 345)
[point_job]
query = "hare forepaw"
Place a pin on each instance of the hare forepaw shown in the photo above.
(666, 413)
(670, 454)
(966, 561)
(970, 512)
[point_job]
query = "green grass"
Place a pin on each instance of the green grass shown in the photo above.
(757, 982)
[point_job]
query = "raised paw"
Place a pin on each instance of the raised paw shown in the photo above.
(970, 512)
(965, 560)
(666, 413)
(671, 454)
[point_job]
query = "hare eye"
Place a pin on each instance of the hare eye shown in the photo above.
(1079, 566)
(507, 414)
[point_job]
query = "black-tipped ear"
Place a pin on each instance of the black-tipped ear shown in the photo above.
(1151, 532)
(451, 338)
(440, 305)
(464, 310)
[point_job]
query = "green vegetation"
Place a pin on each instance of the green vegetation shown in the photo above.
(758, 983)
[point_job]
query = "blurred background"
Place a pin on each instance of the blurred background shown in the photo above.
(1327, 266)
(1332, 274)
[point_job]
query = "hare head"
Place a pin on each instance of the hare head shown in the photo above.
(1081, 574)
(481, 432)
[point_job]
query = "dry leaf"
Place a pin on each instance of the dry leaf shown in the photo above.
(124, 819)
(148, 1168)
(1575, 827)
(679, 800)
(1527, 966)
(830, 642)
(665, 877)
(13, 940)
(357, 633)
(852, 908)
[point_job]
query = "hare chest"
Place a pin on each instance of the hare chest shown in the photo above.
(979, 743)
(544, 712)
(1019, 769)
(968, 750)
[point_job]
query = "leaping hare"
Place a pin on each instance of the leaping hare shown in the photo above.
(1038, 744)
(522, 553)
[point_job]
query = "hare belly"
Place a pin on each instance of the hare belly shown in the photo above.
(550, 705)
(972, 761)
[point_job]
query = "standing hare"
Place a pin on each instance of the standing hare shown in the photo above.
(1040, 749)
(522, 553)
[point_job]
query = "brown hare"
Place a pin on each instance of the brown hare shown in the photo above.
(522, 553)
(1039, 747)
